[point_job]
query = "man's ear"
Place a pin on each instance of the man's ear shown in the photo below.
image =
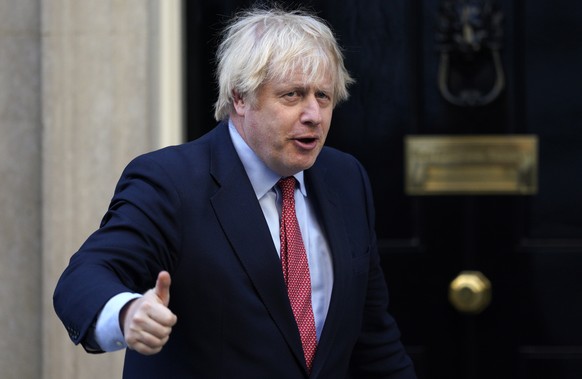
(239, 103)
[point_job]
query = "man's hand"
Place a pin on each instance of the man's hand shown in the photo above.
(147, 321)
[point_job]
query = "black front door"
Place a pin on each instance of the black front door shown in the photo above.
(528, 246)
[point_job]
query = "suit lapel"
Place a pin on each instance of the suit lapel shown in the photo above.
(327, 202)
(243, 222)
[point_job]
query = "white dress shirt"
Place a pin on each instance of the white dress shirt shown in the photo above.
(108, 332)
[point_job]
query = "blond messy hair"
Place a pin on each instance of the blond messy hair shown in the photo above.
(261, 45)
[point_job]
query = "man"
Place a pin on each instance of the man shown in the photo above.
(258, 241)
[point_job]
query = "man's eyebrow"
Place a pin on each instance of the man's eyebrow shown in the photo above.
(303, 86)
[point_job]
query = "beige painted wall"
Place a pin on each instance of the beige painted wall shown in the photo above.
(20, 199)
(83, 89)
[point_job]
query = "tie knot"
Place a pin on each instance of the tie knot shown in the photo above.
(287, 186)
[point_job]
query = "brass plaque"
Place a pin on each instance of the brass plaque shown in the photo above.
(471, 165)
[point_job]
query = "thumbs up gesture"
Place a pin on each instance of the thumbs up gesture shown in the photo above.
(147, 321)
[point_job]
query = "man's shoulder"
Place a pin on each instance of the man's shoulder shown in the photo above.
(333, 159)
(185, 156)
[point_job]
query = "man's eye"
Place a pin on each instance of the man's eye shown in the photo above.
(323, 97)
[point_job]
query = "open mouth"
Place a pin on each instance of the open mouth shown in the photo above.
(306, 140)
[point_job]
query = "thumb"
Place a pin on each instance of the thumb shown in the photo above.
(162, 289)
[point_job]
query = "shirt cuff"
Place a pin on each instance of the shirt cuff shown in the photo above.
(108, 332)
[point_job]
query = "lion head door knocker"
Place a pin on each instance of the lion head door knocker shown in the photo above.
(469, 34)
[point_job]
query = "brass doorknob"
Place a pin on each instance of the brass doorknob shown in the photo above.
(470, 292)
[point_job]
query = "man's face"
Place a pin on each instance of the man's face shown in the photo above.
(288, 123)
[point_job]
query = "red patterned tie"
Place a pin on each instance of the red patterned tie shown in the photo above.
(296, 270)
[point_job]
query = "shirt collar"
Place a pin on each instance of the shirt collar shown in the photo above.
(262, 178)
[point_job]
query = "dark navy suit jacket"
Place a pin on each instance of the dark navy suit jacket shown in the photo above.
(191, 210)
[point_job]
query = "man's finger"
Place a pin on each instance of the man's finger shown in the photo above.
(162, 289)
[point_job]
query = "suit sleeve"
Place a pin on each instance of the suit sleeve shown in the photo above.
(138, 237)
(378, 352)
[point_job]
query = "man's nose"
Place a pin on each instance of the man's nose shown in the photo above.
(311, 111)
